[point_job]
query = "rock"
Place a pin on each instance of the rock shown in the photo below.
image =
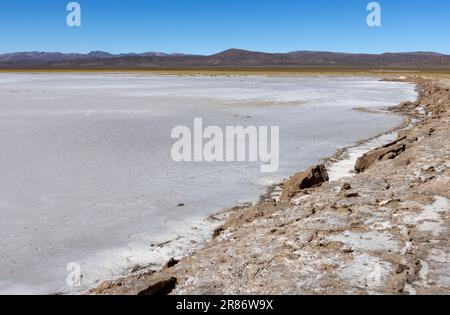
(160, 285)
(217, 232)
(428, 168)
(387, 152)
(352, 195)
(313, 177)
(172, 262)
(405, 106)
(384, 202)
(426, 178)
(106, 287)
(346, 186)
(400, 268)
(347, 250)
(222, 259)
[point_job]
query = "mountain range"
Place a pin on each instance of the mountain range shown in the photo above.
(232, 58)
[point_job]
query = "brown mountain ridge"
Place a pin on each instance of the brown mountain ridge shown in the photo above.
(232, 58)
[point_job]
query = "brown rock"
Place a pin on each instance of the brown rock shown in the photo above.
(172, 262)
(217, 232)
(352, 195)
(105, 287)
(313, 177)
(159, 285)
(387, 152)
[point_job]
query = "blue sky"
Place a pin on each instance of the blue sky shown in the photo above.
(209, 26)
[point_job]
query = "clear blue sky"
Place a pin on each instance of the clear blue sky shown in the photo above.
(209, 26)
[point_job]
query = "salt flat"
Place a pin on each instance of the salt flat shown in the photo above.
(86, 171)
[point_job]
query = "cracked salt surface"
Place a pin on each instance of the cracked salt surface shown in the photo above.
(368, 241)
(430, 220)
(366, 272)
(87, 175)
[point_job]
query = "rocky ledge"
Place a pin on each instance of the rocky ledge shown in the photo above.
(382, 231)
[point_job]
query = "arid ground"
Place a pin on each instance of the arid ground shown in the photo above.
(382, 231)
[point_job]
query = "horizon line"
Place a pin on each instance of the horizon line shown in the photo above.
(219, 52)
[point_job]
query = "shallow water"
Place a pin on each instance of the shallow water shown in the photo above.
(86, 171)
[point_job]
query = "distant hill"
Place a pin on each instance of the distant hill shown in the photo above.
(235, 58)
(37, 56)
